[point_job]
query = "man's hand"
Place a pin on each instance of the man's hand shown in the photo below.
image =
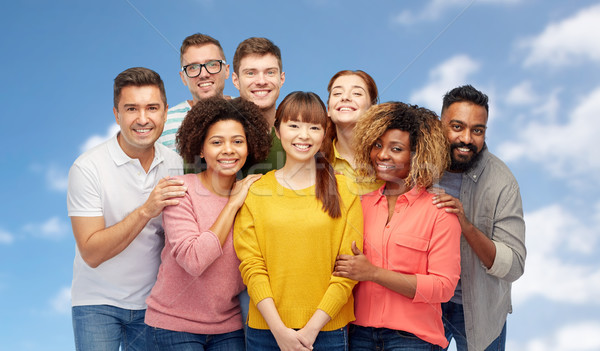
(451, 205)
(163, 195)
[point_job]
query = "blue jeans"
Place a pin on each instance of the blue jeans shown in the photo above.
(454, 325)
(161, 339)
(369, 338)
(263, 339)
(106, 328)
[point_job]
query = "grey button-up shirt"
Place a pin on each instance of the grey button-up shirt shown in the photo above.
(492, 202)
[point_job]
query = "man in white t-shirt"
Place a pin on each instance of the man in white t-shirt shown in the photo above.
(117, 191)
(204, 71)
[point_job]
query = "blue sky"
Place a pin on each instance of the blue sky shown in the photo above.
(539, 62)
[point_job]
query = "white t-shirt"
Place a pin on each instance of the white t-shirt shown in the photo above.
(105, 182)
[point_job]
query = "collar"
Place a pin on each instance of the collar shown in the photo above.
(410, 196)
(336, 153)
(475, 173)
(120, 157)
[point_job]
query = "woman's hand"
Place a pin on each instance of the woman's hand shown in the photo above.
(239, 191)
(355, 267)
(290, 339)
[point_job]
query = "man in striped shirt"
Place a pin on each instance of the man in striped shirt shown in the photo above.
(204, 71)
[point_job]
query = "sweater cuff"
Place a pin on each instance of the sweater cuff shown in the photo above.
(260, 291)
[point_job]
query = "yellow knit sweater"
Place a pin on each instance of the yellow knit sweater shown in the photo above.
(287, 246)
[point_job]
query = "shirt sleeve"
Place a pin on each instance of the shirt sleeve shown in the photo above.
(193, 245)
(84, 197)
(252, 263)
(508, 234)
(340, 289)
(443, 261)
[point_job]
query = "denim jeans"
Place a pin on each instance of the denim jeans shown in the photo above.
(167, 340)
(384, 339)
(106, 328)
(263, 340)
(454, 325)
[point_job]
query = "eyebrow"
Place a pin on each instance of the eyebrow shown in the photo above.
(233, 136)
(464, 124)
(353, 87)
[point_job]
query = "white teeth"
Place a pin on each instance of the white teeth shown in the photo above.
(261, 93)
(228, 162)
(464, 149)
(384, 166)
(344, 109)
(205, 84)
(142, 130)
(301, 146)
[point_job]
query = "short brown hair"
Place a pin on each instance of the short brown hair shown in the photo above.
(256, 46)
(428, 143)
(139, 77)
(206, 112)
(198, 39)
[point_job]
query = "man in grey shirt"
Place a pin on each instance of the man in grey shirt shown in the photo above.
(485, 196)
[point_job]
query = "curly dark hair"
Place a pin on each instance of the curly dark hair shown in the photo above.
(206, 112)
(428, 143)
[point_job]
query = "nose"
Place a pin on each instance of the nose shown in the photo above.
(465, 136)
(382, 154)
(303, 132)
(347, 96)
(227, 147)
(204, 72)
(260, 78)
(143, 117)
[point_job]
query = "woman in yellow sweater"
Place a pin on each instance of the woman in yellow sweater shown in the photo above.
(294, 223)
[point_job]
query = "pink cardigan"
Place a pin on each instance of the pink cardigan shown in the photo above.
(198, 281)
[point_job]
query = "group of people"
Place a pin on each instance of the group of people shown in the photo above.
(350, 224)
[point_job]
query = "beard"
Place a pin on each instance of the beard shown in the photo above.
(461, 166)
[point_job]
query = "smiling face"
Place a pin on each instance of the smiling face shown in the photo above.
(300, 140)
(206, 84)
(391, 156)
(348, 100)
(259, 80)
(225, 148)
(141, 114)
(465, 124)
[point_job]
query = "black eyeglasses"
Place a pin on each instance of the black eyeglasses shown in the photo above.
(213, 67)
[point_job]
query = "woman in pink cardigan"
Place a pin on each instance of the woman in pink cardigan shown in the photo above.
(194, 302)
(411, 259)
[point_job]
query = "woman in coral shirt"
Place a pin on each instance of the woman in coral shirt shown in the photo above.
(411, 259)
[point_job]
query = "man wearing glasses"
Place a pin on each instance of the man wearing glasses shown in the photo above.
(204, 71)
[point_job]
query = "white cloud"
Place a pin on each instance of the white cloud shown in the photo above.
(436, 8)
(61, 302)
(563, 148)
(449, 74)
(56, 178)
(522, 94)
(98, 139)
(554, 232)
(6, 237)
(54, 228)
(567, 42)
(582, 336)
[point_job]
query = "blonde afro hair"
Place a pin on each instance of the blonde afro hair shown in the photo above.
(428, 143)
